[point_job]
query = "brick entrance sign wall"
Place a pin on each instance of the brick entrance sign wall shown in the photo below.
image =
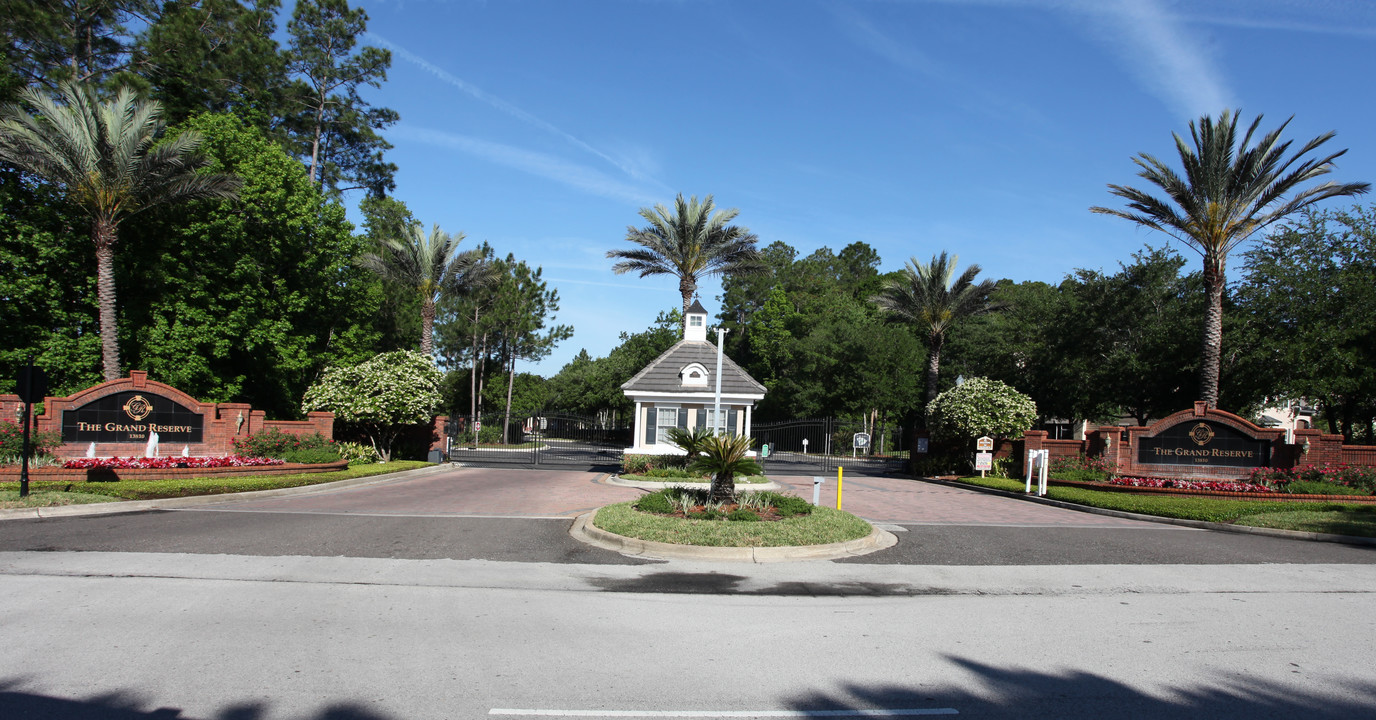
(119, 415)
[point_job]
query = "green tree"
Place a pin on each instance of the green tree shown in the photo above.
(338, 127)
(690, 242)
(1230, 189)
(381, 397)
(251, 301)
(980, 407)
(933, 299)
(431, 265)
(49, 42)
(1307, 292)
(215, 56)
(108, 161)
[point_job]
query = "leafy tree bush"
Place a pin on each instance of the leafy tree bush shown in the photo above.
(357, 453)
(380, 397)
(980, 407)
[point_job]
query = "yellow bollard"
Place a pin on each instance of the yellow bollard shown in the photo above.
(838, 487)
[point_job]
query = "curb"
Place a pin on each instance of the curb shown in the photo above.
(1197, 524)
(614, 479)
(583, 531)
(129, 506)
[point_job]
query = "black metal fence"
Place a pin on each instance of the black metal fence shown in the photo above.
(550, 439)
(820, 445)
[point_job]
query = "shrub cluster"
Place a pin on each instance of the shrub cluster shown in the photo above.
(696, 504)
(357, 453)
(1081, 469)
(1356, 479)
(643, 464)
(12, 440)
(273, 443)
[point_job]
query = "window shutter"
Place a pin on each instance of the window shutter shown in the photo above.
(683, 418)
(730, 420)
(650, 416)
(702, 418)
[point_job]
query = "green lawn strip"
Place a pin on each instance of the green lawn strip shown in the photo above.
(186, 487)
(9, 499)
(822, 526)
(746, 480)
(1338, 518)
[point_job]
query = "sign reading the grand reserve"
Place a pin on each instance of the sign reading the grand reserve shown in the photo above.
(132, 416)
(1204, 443)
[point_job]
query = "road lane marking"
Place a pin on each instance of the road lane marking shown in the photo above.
(877, 712)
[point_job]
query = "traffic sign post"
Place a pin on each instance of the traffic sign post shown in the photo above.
(32, 385)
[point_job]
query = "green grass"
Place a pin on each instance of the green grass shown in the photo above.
(822, 526)
(742, 480)
(186, 487)
(48, 498)
(1325, 517)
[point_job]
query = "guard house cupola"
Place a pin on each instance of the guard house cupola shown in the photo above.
(695, 323)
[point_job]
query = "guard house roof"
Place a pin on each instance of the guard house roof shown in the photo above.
(663, 375)
(696, 308)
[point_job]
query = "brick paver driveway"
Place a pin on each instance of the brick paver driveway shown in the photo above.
(512, 492)
(469, 491)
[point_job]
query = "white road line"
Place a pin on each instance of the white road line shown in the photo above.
(881, 712)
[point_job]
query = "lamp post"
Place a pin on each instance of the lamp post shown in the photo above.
(717, 424)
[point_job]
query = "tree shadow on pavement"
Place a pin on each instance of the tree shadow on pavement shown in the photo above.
(19, 705)
(1022, 693)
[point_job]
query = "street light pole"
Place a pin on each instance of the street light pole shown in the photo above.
(717, 424)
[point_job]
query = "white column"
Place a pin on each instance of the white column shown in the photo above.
(639, 426)
(747, 420)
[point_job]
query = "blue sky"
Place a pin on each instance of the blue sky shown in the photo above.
(986, 128)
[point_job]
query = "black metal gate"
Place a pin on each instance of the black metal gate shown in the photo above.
(818, 446)
(548, 439)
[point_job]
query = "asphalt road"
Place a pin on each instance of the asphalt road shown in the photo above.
(547, 540)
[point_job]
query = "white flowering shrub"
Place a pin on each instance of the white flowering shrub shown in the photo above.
(381, 396)
(980, 407)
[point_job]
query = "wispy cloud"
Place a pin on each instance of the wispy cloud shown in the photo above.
(546, 166)
(621, 163)
(1158, 46)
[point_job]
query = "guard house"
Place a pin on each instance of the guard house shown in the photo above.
(678, 389)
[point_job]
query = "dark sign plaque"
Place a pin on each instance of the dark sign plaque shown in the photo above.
(130, 417)
(1204, 443)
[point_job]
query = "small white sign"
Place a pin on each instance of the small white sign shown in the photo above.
(984, 461)
(861, 440)
(984, 444)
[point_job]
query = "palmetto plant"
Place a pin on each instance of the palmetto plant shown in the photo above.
(932, 298)
(689, 439)
(432, 264)
(110, 161)
(1230, 189)
(690, 242)
(724, 457)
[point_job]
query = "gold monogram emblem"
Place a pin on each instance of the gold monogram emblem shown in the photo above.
(1201, 434)
(138, 408)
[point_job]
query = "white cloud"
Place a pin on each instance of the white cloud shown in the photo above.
(546, 166)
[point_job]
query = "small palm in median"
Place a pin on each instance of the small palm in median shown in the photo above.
(691, 441)
(724, 457)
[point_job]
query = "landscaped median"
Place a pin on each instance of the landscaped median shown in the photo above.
(1325, 517)
(57, 493)
(758, 527)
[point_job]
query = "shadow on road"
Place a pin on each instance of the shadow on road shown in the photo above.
(18, 705)
(1022, 693)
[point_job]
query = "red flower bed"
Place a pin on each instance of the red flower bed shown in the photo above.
(161, 463)
(1209, 485)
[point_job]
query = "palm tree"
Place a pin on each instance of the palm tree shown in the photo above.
(691, 242)
(725, 457)
(432, 264)
(108, 160)
(933, 299)
(1230, 190)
